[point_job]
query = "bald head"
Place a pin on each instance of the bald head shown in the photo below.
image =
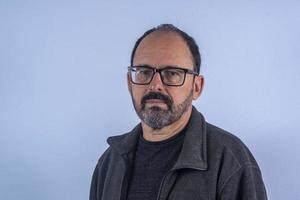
(163, 48)
(169, 28)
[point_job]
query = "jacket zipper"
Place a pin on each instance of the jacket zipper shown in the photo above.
(162, 184)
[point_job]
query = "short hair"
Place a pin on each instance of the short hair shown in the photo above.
(192, 45)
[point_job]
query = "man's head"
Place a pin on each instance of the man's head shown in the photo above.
(192, 45)
(160, 99)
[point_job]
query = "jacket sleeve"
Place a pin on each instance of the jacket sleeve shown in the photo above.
(244, 184)
(93, 188)
(97, 178)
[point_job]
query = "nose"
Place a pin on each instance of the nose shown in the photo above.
(156, 83)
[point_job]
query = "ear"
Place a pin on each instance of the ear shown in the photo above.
(198, 86)
(129, 85)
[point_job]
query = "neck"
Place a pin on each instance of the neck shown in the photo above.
(166, 132)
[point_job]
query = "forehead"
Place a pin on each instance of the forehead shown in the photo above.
(163, 48)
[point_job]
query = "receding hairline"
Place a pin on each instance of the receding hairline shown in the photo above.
(190, 41)
(159, 33)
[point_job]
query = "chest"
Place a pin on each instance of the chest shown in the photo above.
(187, 185)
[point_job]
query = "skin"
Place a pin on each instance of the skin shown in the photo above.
(158, 49)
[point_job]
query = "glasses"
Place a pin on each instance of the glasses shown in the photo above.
(170, 75)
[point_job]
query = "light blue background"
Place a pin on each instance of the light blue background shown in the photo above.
(63, 85)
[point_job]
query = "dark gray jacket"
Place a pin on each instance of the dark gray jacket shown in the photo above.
(213, 164)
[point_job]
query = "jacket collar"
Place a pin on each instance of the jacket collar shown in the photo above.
(194, 149)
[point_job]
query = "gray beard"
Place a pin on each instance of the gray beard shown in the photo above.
(157, 118)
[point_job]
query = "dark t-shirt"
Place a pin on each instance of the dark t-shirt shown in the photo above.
(152, 161)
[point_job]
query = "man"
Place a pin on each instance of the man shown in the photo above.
(173, 153)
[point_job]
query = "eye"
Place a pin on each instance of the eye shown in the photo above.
(144, 72)
(172, 73)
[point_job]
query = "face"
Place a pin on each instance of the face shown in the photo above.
(156, 104)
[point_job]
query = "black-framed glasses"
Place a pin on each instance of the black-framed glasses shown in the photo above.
(170, 75)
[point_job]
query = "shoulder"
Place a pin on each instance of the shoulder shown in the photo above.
(120, 145)
(232, 162)
(111, 150)
(227, 144)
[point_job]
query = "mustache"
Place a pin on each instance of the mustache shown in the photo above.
(156, 95)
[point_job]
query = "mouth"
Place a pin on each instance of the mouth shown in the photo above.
(155, 102)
